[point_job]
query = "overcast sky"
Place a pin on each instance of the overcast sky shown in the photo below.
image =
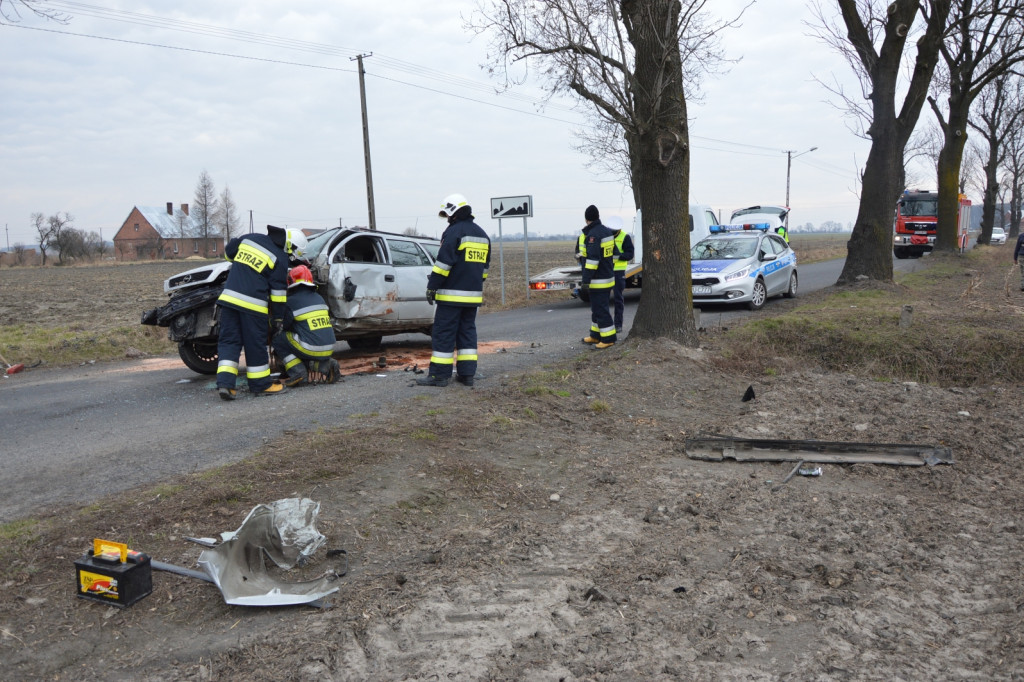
(116, 108)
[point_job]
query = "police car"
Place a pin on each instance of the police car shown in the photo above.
(743, 263)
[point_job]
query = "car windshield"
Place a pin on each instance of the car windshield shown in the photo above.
(317, 243)
(723, 249)
(919, 207)
(997, 230)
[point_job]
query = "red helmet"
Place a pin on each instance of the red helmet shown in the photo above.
(300, 274)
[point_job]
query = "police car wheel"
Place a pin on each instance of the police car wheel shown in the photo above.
(758, 295)
(791, 291)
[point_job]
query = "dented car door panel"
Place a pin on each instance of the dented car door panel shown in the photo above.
(362, 287)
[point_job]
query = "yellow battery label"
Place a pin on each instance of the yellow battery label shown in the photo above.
(96, 584)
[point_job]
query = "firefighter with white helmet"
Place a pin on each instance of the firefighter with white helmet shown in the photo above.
(254, 296)
(306, 339)
(456, 286)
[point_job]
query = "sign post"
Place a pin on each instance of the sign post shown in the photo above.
(513, 207)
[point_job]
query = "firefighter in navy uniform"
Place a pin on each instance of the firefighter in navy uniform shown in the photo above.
(599, 274)
(456, 286)
(624, 253)
(306, 339)
(254, 296)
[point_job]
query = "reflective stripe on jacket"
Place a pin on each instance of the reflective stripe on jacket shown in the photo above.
(308, 323)
(461, 266)
(623, 250)
(257, 279)
(599, 271)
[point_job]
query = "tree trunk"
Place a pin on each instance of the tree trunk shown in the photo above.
(950, 158)
(660, 156)
(869, 251)
(988, 208)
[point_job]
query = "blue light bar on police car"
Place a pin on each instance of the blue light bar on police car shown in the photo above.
(763, 227)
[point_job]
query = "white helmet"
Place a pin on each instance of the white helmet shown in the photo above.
(296, 243)
(451, 204)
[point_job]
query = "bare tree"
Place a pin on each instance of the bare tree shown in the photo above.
(626, 60)
(205, 210)
(873, 38)
(228, 219)
(995, 115)
(64, 243)
(44, 233)
(9, 10)
(986, 39)
(1013, 178)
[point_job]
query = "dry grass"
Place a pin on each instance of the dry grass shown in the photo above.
(543, 255)
(812, 248)
(965, 328)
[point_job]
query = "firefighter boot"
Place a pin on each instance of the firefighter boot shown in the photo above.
(330, 371)
(432, 380)
(591, 340)
(226, 393)
(272, 389)
(464, 380)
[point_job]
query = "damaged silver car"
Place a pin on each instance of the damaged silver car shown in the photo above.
(374, 284)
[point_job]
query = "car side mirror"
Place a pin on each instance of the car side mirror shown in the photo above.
(767, 256)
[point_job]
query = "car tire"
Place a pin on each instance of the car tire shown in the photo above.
(758, 296)
(201, 358)
(365, 343)
(791, 291)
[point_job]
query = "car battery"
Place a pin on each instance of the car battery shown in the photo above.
(110, 573)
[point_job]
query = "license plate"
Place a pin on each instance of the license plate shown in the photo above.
(701, 289)
(558, 285)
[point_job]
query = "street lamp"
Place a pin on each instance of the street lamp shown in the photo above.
(790, 155)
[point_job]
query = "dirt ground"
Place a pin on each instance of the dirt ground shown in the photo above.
(551, 527)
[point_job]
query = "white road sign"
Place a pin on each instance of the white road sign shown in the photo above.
(512, 207)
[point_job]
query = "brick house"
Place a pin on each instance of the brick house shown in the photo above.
(149, 233)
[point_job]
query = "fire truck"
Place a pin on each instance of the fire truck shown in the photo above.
(916, 216)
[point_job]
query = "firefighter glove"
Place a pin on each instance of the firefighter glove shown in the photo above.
(431, 293)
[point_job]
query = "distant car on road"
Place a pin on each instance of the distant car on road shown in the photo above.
(998, 236)
(742, 264)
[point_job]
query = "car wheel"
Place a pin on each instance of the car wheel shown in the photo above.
(365, 343)
(199, 357)
(758, 295)
(791, 291)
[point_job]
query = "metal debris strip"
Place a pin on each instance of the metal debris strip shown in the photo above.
(815, 451)
(285, 531)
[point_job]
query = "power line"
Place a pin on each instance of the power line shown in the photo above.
(123, 16)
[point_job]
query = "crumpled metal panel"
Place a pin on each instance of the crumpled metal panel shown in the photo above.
(285, 531)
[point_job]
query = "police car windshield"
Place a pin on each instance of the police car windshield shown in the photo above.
(723, 249)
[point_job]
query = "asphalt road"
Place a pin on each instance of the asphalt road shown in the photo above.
(70, 436)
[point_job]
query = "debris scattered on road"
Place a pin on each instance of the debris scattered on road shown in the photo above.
(815, 451)
(749, 395)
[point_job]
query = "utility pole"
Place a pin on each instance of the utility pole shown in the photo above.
(366, 140)
(250, 221)
(7, 232)
(790, 155)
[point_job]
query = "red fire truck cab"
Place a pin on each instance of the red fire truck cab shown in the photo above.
(914, 226)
